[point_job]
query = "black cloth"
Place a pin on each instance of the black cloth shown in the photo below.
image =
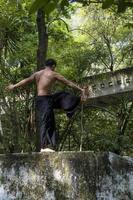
(45, 114)
(66, 101)
(46, 121)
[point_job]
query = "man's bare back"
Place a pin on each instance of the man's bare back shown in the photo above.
(45, 79)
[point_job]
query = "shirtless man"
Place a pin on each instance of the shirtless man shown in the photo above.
(45, 79)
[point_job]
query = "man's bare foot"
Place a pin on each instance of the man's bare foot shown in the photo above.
(47, 150)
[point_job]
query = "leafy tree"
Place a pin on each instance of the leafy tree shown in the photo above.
(106, 39)
(61, 5)
(18, 49)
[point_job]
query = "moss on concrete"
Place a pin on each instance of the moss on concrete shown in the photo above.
(66, 176)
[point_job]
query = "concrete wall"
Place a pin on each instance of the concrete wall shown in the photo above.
(66, 176)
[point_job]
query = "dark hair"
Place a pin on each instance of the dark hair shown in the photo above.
(50, 62)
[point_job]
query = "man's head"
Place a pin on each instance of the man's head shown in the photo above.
(51, 63)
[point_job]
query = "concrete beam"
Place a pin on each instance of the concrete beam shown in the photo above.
(111, 87)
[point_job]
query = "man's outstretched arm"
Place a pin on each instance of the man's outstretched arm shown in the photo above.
(62, 79)
(22, 83)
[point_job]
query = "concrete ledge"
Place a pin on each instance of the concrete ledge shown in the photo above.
(66, 176)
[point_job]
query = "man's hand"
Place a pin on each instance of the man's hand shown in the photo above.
(21, 83)
(85, 94)
(11, 87)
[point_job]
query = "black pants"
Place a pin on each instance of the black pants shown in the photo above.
(46, 121)
(45, 114)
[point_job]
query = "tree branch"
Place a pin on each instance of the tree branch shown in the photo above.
(59, 19)
(110, 52)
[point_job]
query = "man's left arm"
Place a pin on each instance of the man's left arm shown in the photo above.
(22, 83)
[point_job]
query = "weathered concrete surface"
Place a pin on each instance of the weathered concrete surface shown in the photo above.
(66, 176)
(111, 87)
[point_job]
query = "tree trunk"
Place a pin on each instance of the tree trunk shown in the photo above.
(41, 57)
(42, 39)
(122, 125)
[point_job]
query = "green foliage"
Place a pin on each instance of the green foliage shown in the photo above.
(50, 5)
(121, 4)
(18, 50)
(107, 4)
